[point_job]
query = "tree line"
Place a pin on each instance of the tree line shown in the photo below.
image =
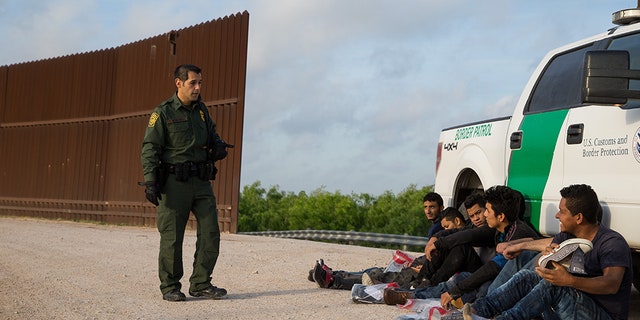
(272, 209)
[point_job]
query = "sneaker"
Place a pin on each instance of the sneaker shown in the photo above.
(570, 254)
(211, 292)
(174, 295)
(466, 312)
(322, 274)
(391, 296)
(366, 279)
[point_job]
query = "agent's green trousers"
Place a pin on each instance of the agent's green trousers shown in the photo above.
(178, 199)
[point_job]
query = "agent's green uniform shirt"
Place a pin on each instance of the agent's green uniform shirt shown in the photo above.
(175, 134)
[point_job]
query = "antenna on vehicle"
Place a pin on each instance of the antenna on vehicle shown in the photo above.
(626, 16)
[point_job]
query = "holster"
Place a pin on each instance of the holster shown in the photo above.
(207, 171)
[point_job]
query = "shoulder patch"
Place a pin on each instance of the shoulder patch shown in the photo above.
(152, 120)
(202, 115)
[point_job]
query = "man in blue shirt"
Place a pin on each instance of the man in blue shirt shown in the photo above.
(433, 206)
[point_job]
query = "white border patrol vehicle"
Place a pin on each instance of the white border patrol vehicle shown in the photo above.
(576, 122)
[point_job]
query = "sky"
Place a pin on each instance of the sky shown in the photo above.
(343, 96)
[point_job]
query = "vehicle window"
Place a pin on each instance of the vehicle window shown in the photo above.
(559, 87)
(630, 43)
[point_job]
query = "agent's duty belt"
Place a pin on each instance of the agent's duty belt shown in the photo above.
(183, 171)
(186, 168)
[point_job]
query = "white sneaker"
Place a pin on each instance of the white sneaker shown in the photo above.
(570, 254)
(366, 279)
(468, 315)
(466, 312)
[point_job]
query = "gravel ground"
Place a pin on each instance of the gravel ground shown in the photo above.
(70, 270)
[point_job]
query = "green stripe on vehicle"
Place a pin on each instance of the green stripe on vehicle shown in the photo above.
(530, 165)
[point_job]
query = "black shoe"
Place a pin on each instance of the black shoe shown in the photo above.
(174, 295)
(391, 296)
(310, 277)
(322, 274)
(211, 292)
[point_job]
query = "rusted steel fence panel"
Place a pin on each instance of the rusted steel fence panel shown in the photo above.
(3, 96)
(71, 127)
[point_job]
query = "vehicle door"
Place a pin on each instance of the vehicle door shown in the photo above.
(537, 141)
(602, 149)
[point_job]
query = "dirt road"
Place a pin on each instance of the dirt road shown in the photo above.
(70, 270)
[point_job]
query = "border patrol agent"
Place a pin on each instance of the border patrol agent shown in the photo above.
(177, 171)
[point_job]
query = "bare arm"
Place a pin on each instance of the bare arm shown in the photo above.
(512, 249)
(608, 283)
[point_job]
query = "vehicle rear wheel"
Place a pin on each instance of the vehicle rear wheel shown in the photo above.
(468, 182)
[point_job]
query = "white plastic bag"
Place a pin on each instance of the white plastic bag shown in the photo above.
(399, 260)
(429, 309)
(428, 313)
(419, 305)
(370, 294)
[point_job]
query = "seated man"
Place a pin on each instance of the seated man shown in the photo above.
(416, 276)
(503, 206)
(603, 293)
(454, 250)
(449, 252)
(522, 254)
(452, 219)
(433, 206)
(327, 278)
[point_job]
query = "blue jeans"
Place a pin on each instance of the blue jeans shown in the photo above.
(442, 287)
(437, 290)
(526, 296)
(526, 260)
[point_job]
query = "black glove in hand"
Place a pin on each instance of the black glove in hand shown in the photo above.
(152, 192)
(219, 150)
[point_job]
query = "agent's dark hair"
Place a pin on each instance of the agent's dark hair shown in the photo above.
(504, 200)
(182, 71)
(433, 197)
(476, 197)
(450, 214)
(580, 198)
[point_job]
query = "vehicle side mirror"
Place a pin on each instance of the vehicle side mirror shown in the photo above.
(606, 78)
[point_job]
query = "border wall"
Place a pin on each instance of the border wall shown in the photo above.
(71, 127)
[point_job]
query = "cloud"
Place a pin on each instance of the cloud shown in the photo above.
(343, 94)
(38, 30)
